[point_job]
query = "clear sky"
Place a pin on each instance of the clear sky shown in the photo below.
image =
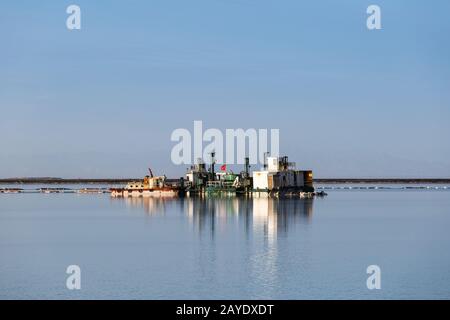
(104, 100)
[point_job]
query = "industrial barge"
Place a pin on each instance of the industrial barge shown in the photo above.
(278, 177)
(150, 186)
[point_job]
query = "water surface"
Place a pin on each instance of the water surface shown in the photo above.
(226, 248)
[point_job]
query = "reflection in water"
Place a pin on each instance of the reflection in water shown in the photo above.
(153, 206)
(269, 216)
(276, 215)
(260, 223)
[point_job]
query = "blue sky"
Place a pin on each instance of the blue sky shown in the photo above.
(104, 100)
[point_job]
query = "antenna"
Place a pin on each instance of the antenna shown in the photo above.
(247, 166)
(213, 161)
(266, 154)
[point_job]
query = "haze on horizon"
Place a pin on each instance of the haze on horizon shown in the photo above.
(104, 100)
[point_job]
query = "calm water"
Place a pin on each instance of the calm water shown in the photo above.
(226, 248)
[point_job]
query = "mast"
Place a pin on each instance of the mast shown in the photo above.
(266, 154)
(213, 161)
(247, 166)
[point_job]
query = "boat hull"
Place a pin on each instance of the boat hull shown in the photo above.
(161, 192)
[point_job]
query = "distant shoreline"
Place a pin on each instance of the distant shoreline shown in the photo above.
(321, 180)
(65, 181)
